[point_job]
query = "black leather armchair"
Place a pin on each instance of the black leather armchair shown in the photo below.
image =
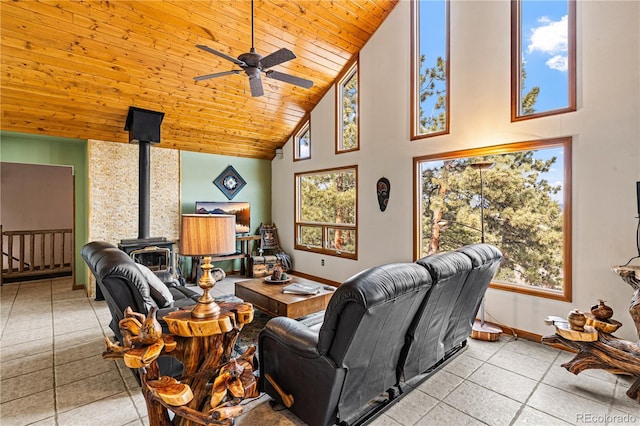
(382, 327)
(123, 284)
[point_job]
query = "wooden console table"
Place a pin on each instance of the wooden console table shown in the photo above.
(212, 385)
(607, 352)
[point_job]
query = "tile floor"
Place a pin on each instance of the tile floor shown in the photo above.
(53, 374)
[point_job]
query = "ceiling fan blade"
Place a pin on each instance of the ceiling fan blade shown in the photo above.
(256, 86)
(277, 57)
(218, 74)
(302, 82)
(222, 55)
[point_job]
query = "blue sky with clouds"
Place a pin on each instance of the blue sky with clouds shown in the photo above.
(544, 35)
(544, 47)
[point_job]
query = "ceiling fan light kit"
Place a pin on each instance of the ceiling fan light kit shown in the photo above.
(253, 64)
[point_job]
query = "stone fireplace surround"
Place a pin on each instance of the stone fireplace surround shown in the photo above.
(113, 194)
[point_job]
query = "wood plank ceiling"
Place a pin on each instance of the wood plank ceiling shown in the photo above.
(72, 69)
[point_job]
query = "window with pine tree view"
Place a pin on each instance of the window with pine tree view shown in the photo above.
(543, 59)
(348, 110)
(326, 207)
(430, 68)
(523, 204)
(302, 145)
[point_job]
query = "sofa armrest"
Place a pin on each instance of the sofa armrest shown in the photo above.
(167, 278)
(296, 336)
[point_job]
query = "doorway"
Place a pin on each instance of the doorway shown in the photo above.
(37, 221)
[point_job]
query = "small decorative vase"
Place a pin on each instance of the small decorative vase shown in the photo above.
(577, 320)
(602, 311)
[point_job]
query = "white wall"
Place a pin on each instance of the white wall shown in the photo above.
(606, 147)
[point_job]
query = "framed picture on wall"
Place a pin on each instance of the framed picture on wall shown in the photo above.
(241, 210)
(229, 182)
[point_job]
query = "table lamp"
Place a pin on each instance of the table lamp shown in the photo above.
(206, 236)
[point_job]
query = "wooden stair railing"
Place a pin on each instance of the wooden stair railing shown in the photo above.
(31, 253)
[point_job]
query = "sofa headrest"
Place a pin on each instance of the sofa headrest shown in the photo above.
(379, 284)
(481, 254)
(106, 260)
(92, 249)
(444, 265)
(369, 288)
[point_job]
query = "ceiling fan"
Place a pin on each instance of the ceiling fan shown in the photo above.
(253, 64)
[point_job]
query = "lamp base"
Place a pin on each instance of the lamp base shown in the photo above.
(486, 332)
(205, 309)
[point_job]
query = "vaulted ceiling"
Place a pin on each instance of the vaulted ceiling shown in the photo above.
(72, 69)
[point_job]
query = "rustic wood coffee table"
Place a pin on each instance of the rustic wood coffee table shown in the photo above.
(270, 298)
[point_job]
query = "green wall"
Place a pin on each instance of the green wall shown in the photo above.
(36, 149)
(198, 171)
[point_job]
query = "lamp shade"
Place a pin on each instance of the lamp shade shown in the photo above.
(208, 235)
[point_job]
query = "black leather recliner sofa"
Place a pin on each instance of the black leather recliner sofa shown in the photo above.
(123, 284)
(384, 327)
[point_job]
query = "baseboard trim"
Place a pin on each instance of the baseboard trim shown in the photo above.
(527, 335)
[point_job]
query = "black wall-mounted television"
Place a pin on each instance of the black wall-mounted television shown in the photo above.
(241, 210)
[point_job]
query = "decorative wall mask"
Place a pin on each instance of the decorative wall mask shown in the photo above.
(383, 188)
(229, 182)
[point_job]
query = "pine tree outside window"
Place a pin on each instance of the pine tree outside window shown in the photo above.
(429, 68)
(348, 109)
(326, 211)
(526, 201)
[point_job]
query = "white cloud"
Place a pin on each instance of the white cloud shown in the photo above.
(558, 62)
(550, 38)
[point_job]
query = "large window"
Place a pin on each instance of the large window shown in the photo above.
(429, 68)
(543, 58)
(302, 141)
(516, 197)
(348, 109)
(326, 211)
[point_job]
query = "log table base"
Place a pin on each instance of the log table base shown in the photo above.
(212, 385)
(607, 352)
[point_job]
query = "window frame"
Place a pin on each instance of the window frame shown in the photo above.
(516, 55)
(352, 68)
(303, 127)
(326, 227)
(564, 142)
(415, 73)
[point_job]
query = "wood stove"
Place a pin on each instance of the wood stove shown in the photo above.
(157, 253)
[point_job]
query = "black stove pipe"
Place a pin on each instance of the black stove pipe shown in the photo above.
(144, 188)
(144, 129)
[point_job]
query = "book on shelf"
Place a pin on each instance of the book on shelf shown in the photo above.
(304, 289)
